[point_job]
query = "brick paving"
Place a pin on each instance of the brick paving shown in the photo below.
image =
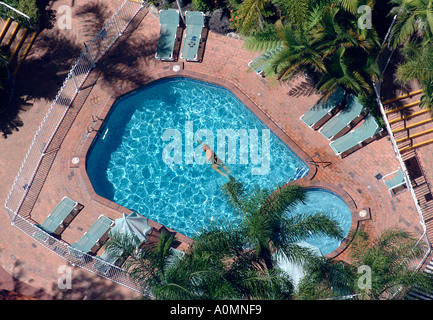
(131, 64)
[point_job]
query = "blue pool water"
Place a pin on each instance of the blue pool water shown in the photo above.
(323, 201)
(147, 157)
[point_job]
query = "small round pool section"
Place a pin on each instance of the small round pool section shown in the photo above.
(326, 202)
(127, 162)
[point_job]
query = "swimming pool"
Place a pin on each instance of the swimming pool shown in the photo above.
(147, 157)
(324, 201)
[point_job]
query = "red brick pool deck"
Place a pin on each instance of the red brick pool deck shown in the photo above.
(131, 64)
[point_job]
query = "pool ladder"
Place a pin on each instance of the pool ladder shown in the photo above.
(316, 164)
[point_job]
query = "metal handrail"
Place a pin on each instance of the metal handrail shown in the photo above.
(308, 160)
(377, 87)
(46, 131)
(29, 20)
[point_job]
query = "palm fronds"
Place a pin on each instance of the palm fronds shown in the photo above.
(263, 41)
(390, 257)
(414, 19)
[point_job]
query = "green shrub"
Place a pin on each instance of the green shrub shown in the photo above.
(30, 8)
(372, 106)
(206, 5)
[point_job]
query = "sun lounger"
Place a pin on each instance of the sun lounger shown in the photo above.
(357, 137)
(262, 61)
(323, 111)
(194, 27)
(169, 22)
(58, 219)
(92, 240)
(398, 181)
(341, 123)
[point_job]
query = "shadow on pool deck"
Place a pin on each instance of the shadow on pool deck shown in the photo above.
(131, 64)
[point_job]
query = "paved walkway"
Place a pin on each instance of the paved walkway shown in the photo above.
(131, 64)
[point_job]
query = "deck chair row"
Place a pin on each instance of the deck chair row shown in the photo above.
(336, 116)
(62, 215)
(169, 21)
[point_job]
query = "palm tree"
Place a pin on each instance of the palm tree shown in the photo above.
(252, 14)
(148, 265)
(299, 54)
(344, 70)
(295, 11)
(328, 279)
(203, 273)
(242, 267)
(328, 45)
(390, 257)
(164, 275)
(265, 228)
(417, 66)
(228, 261)
(353, 5)
(414, 19)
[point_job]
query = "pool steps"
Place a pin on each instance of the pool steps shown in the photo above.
(299, 173)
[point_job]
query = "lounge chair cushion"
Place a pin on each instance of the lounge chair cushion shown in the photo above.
(343, 119)
(322, 109)
(263, 60)
(194, 28)
(92, 236)
(368, 129)
(395, 182)
(169, 21)
(58, 215)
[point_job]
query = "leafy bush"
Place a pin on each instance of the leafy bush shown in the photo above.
(30, 8)
(207, 5)
(371, 105)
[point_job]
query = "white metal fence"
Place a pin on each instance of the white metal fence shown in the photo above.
(383, 61)
(41, 145)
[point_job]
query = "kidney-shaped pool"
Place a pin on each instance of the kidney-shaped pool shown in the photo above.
(147, 157)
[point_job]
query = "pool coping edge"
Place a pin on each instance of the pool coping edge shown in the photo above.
(82, 149)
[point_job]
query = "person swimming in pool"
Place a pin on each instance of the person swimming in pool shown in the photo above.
(217, 163)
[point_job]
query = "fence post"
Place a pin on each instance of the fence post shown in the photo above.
(41, 148)
(41, 141)
(117, 25)
(75, 79)
(90, 56)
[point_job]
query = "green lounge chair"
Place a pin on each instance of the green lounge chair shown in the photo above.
(134, 227)
(93, 238)
(355, 138)
(58, 219)
(262, 61)
(397, 181)
(323, 111)
(344, 120)
(169, 22)
(194, 27)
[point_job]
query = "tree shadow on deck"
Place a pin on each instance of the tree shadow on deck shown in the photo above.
(52, 57)
(82, 286)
